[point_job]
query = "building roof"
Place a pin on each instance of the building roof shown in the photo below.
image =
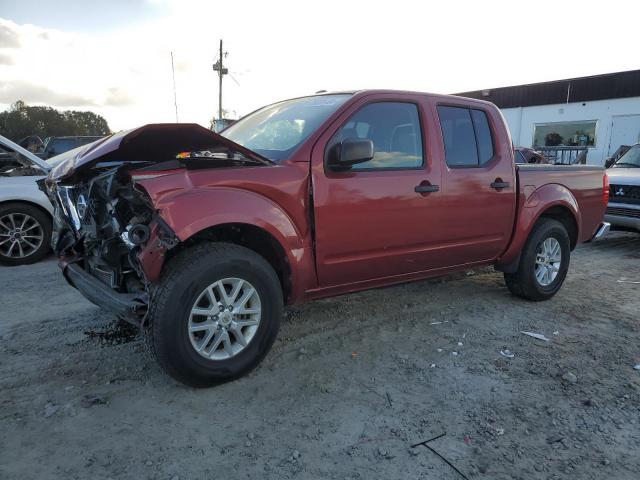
(581, 89)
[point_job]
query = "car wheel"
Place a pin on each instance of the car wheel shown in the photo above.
(25, 234)
(544, 262)
(215, 313)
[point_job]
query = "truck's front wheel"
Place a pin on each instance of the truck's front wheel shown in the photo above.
(543, 264)
(215, 314)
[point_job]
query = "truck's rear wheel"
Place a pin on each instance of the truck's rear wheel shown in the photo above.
(215, 314)
(543, 264)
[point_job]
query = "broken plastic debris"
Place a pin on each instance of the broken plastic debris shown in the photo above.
(433, 365)
(454, 353)
(459, 344)
(636, 367)
(539, 336)
(496, 430)
(507, 353)
(556, 332)
(439, 350)
(438, 323)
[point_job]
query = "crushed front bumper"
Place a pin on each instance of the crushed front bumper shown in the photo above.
(131, 307)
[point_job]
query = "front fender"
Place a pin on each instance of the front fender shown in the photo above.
(193, 211)
(533, 205)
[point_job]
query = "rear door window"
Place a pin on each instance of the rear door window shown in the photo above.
(483, 136)
(466, 135)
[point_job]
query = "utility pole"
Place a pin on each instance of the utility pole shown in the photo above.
(218, 67)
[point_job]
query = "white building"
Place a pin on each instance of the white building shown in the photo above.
(599, 113)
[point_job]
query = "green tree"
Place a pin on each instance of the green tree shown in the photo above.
(22, 120)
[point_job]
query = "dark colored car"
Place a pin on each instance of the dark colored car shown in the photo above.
(522, 155)
(201, 238)
(621, 150)
(56, 145)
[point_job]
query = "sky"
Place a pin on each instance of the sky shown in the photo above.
(113, 57)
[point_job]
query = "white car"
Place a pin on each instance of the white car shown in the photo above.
(25, 211)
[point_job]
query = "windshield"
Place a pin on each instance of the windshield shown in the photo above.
(277, 130)
(630, 159)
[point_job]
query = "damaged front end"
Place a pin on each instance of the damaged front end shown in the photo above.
(110, 238)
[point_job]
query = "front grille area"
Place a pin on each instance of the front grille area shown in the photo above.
(624, 193)
(623, 212)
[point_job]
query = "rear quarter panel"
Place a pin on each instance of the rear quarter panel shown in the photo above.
(579, 189)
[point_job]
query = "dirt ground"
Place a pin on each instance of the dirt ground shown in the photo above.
(349, 386)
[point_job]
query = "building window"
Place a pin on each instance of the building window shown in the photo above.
(565, 134)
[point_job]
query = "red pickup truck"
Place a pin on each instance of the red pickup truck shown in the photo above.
(202, 238)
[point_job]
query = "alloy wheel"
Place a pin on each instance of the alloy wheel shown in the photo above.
(20, 235)
(548, 260)
(224, 318)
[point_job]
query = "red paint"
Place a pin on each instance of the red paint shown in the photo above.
(371, 228)
(152, 255)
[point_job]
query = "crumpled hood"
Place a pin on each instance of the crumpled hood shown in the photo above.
(155, 143)
(624, 176)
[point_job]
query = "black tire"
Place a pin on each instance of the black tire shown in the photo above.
(39, 216)
(184, 278)
(523, 282)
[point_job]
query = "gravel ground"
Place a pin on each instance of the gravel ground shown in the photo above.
(349, 386)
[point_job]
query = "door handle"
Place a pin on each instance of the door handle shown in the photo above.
(499, 185)
(426, 188)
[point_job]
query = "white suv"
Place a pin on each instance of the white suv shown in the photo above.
(623, 211)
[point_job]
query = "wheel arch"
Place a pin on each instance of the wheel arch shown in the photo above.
(549, 201)
(250, 236)
(30, 203)
(566, 217)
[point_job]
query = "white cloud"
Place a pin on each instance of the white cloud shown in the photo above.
(118, 97)
(30, 93)
(280, 49)
(6, 59)
(9, 37)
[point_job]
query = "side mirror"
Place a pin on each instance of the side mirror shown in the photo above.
(608, 162)
(350, 151)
